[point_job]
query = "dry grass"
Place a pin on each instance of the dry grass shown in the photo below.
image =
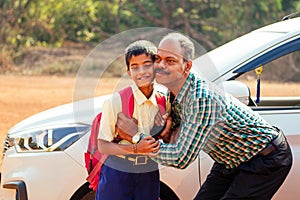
(275, 89)
(23, 96)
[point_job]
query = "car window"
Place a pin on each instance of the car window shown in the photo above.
(279, 82)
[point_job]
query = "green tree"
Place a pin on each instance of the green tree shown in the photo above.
(210, 22)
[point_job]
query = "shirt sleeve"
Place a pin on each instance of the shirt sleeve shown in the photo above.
(110, 109)
(198, 118)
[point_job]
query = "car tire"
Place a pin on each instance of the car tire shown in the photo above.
(84, 193)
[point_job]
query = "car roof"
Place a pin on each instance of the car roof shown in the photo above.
(285, 26)
(216, 63)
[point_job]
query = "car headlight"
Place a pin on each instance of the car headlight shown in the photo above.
(55, 138)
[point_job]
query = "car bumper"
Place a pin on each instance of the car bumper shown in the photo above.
(19, 187)
(30, 175)
(7, 194)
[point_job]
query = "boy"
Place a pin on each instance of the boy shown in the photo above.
(125, 175)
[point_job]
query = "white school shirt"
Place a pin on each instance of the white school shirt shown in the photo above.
(144, 111)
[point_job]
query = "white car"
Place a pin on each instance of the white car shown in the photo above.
(44, 154)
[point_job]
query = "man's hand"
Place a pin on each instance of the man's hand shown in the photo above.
(126, 127)
(174, 136)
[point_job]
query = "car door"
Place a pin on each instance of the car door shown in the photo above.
(279, 104)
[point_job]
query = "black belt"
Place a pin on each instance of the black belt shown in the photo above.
(273, 145)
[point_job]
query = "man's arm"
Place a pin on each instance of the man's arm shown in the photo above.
(197, 121)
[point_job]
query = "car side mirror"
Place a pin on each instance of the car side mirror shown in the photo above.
(237, 89)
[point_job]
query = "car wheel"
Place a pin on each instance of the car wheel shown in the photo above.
(84, 193)
(89, 196)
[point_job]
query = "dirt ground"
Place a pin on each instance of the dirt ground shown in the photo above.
(22, 96)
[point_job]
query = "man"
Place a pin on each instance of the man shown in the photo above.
(252, 158)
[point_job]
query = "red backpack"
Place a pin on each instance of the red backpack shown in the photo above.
(93, 158)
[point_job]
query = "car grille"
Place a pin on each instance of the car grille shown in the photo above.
(6, 145)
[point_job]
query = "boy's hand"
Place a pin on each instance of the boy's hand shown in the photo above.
(126, 127)
(148, 146)
(167, 132)
(159, 120)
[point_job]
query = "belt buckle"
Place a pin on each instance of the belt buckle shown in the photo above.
(141, 160)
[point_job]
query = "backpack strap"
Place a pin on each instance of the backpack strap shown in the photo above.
(161, 102)
(127, 101)
(93, 139)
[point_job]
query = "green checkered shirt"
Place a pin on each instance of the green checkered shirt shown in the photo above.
(215, 122)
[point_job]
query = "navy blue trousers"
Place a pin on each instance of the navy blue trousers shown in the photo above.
(117, 183)
(257, 179)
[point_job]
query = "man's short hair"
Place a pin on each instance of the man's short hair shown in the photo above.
(186, 44)
(138, 48)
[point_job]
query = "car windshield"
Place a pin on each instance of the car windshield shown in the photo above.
(220, 60)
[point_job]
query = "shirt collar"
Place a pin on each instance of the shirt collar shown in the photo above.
(141, 98)
(184, 89)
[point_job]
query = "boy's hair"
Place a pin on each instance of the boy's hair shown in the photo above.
(138, 48)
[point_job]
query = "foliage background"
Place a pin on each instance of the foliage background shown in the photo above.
(52, 37)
